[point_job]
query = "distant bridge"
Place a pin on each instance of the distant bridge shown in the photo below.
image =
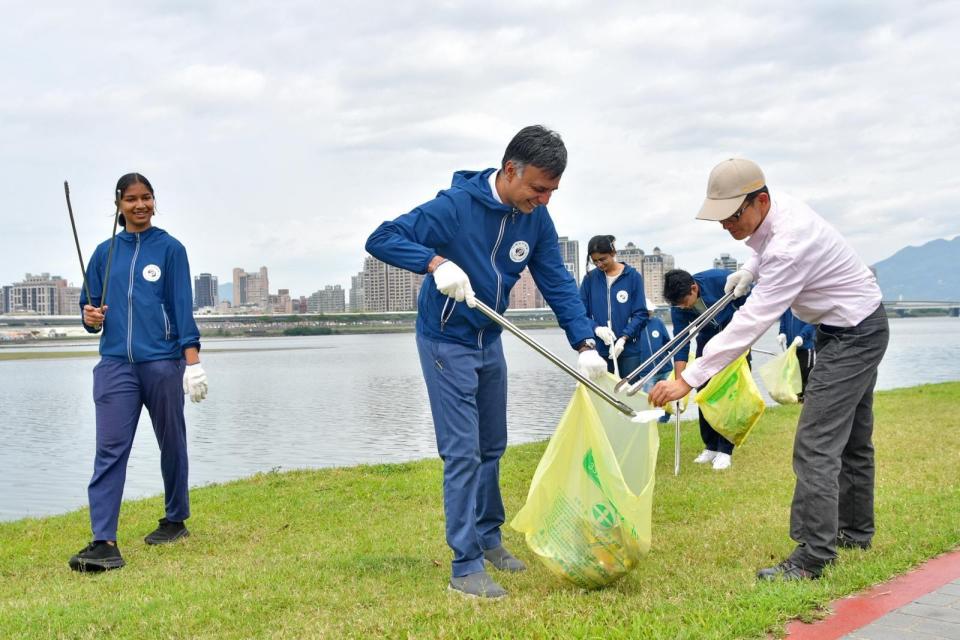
(907, 307)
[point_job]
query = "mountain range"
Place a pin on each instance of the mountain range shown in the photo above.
(927, 272)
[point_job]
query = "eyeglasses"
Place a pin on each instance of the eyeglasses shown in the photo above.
(739, 212)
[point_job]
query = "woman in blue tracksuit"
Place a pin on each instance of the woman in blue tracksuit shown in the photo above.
(615, 300)
(149, 357)
(790, 328)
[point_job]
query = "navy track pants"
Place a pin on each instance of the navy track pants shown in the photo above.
(120, 391)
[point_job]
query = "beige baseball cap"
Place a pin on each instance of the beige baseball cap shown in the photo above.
(728, 186)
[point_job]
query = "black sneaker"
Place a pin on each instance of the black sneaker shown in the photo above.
(846, 542)
(787, 570)
(97, 556)
(168, 531)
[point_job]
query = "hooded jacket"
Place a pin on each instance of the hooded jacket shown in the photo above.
(651, 339)
(149, 298)
(492, 243)
(711, 284)
(624, 305)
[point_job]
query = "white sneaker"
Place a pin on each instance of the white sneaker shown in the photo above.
(722, 461)
(706, 456)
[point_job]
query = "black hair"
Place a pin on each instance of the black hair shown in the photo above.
(601, 244)
(125, 182)
(753, 195)
(677, 285)
(538, 146)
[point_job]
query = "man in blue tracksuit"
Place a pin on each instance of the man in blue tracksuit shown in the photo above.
(792, 327)
(690, 296)
(473, 240)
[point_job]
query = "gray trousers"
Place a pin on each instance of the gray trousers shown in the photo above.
(833, 450)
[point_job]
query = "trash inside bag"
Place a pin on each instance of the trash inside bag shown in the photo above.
(587, 515)
(781, 375)
(731, 401)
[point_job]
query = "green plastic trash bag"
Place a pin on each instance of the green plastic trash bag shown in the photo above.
(781, 375)
(731, 402)
(587, 515)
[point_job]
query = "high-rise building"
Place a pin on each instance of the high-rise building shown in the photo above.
(570, 251)
(205, 293)
(356, 293)
(525, 294)
(330, 299)
(251, 289)
(389, 288)
(654, 266)
(43, 294)
(651, 266)
(725, 262)
(281, 303)
(5, 301)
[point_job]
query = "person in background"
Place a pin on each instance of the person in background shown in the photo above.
(614, 297)
(690, 296)
(802, 263)
(473, 240)
(150, 356)
(654, 336)
(790, 328)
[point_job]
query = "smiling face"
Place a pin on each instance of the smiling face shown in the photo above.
(528, 189)
(136, 205)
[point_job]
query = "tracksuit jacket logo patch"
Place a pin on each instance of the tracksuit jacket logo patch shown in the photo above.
(519, 251)
(151, 273)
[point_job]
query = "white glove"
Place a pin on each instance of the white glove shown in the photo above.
(782, 341)
(195, 382)
(618, 348)
(451, 280)
(798, 341)
(606, 334)
(739, 282)
(591, 365)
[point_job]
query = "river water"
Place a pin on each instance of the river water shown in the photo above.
(286, 403)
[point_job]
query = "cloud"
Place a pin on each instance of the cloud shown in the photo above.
(283, 133)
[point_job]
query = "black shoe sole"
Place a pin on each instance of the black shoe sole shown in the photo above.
(151, 539)
(84, 565)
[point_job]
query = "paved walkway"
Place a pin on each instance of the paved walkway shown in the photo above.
(921, 605)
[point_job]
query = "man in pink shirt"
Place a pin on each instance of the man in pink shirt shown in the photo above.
(800, 262)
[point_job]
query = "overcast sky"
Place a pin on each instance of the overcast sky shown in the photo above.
(281, 133)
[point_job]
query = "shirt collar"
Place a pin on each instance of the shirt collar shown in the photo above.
(493, 186)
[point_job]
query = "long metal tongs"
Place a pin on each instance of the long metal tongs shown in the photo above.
(675, 344)
(590, 384)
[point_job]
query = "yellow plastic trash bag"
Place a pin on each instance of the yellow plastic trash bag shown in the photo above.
(731, 402)
(588, 511)
(781, 375)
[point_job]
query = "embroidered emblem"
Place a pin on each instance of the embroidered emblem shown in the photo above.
(151, 273)
(622, 296)
(519, 251)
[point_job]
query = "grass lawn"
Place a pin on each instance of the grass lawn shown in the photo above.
(359, 552)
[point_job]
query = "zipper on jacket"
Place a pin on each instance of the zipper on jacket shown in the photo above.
(133, 267)
(493, 264)
(444, 316)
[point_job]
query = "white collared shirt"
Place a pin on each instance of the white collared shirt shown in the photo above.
(493, 187)
(801, 262)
